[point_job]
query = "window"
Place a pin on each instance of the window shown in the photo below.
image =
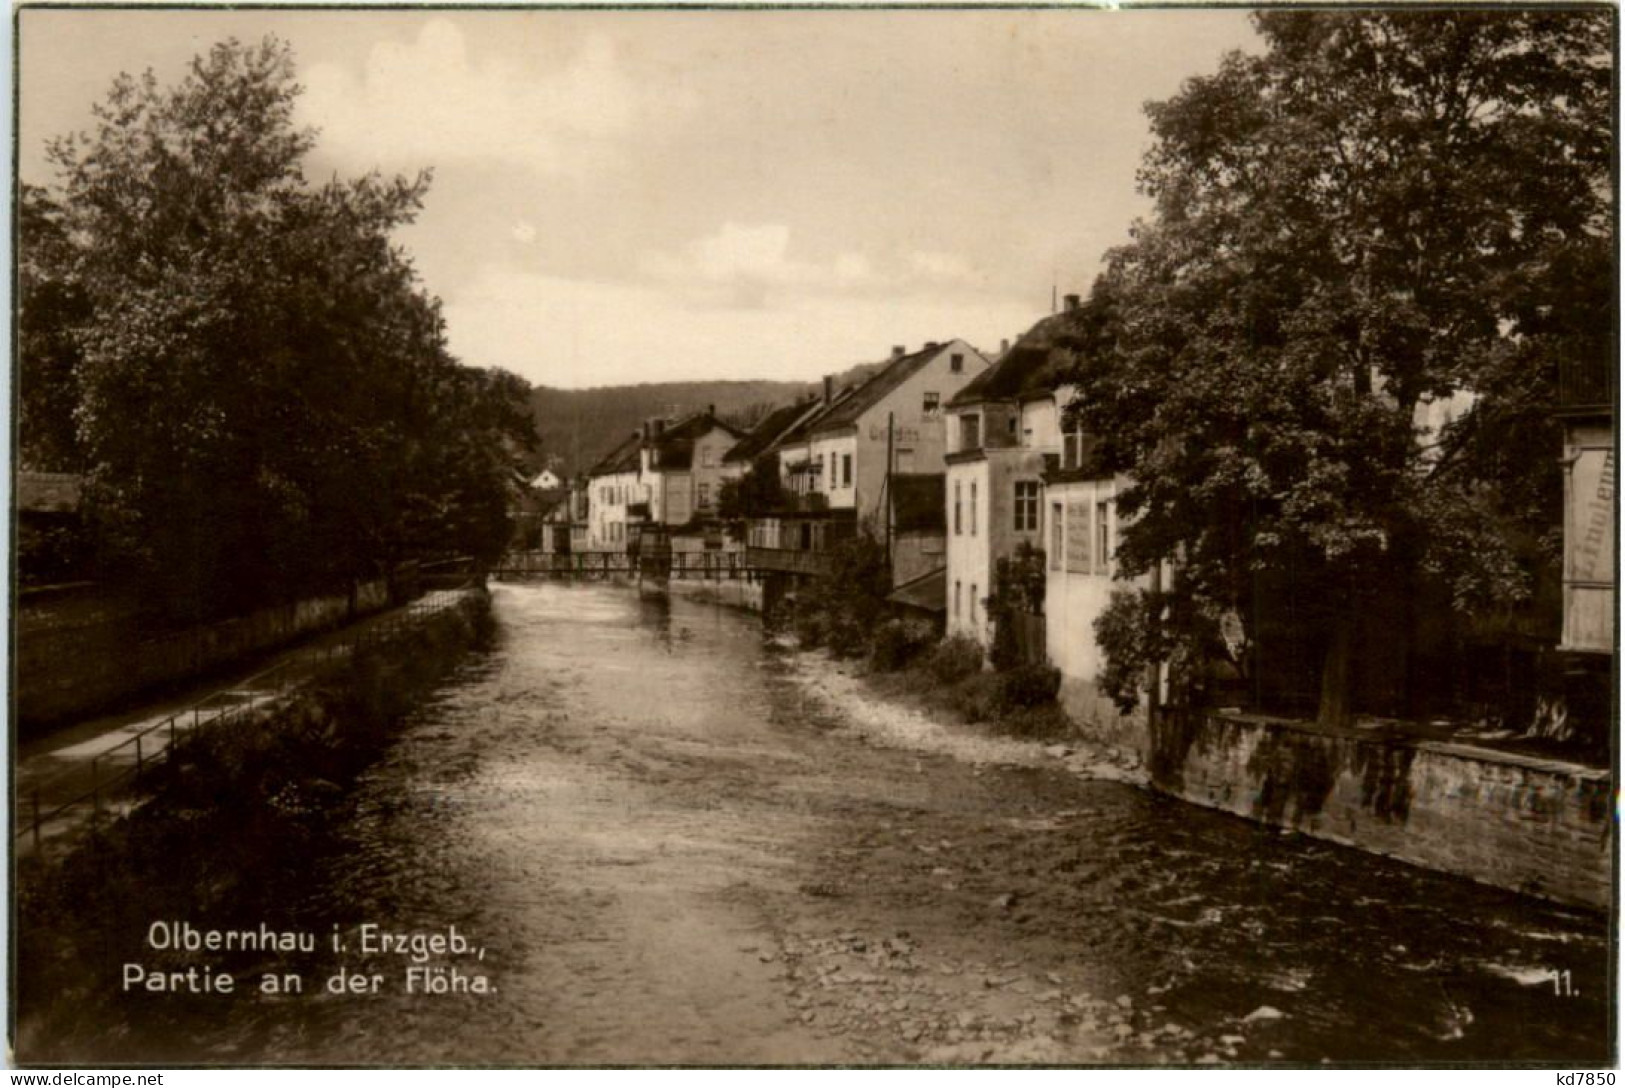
(1011, 426)
(1055, 539)
(1078, 539)
(705, 496)
(708, 457)
(846, 470)
(970, 432)
(956, 599)
(933, 403)
(1102, 539)
(956, 362)
(1026, 506)
(1072, 450)
(957, 527)
(973, 508)
(973, 602)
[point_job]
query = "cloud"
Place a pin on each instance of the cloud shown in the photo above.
(743, 264)
(430, 101)
(747, 265)
(524, 232)
(571, 332)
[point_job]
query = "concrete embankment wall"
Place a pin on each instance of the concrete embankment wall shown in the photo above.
(1537, 826)
(81, 653)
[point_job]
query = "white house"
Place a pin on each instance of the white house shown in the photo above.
(617, 494)
(1001, 428)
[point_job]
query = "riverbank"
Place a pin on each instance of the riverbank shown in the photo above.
(223, 841)
(1536, 827)
(889, 710)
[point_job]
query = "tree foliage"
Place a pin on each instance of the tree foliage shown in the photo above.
(1385, 216)
(262, 398)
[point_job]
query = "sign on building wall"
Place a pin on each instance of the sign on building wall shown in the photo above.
(1078, 539)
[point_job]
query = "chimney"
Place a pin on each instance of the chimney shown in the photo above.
(829, 388)
(711, 411)
(898, 351)
(932, 345)
(658, 427)
(1004, 346)
(1072, 303)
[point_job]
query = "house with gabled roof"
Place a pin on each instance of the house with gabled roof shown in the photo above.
(890, 423)
(617, 495)
(1002, 436)
(683, 466)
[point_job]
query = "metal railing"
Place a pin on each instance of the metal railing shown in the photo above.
(121, 768)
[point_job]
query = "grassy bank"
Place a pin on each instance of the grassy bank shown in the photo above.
(228, 841)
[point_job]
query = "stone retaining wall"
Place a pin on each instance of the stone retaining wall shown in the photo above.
(81, 653)
(1536, 826)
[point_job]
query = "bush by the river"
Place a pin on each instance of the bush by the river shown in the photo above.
(893, 646)
(955, 658)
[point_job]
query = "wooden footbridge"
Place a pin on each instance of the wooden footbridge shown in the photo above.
(605, 565)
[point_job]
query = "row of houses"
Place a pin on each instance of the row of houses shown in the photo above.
(953, 458)
(962, 464)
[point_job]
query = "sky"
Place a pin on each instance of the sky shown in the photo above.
(628, 196)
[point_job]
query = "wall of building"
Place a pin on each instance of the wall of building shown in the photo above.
(1590, 513)
(608, 497)
(825, 447)
(970, 560)
(707, 472)
(1526, 824)
(919, 440)
(915, 554)
(1079, 583)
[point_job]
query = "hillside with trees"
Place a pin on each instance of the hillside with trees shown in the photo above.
(580, 426)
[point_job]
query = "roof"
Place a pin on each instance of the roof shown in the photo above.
(805, 427)
(874, 390)
(674, 446)
(919, 501)
(1022, 370)
(761, 436)
(623, 458)
(928, 592)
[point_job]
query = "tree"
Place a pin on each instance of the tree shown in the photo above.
(1384, 211)
(50, 305)
(264, 399)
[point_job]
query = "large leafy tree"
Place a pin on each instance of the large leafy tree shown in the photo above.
(1382, 215)
(263, 395)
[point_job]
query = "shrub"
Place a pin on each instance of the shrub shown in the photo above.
(892, 646)
(977, 697)
(810, 625)
(1028, 686)
(955, 658)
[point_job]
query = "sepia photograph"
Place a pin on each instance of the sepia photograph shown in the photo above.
(912, 537)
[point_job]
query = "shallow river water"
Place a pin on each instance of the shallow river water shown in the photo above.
(671, 853)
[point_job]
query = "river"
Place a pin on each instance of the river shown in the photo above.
(670, 853)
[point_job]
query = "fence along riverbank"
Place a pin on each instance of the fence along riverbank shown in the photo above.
(96, 780)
